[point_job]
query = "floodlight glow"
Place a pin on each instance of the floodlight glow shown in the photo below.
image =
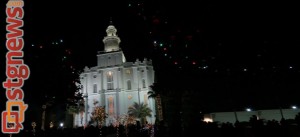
(207, 120)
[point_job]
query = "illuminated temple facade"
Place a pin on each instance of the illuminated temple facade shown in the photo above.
(115, 83)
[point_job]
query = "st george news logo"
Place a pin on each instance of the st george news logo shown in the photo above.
(16, 71)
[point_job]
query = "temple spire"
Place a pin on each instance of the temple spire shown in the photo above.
(111, 41)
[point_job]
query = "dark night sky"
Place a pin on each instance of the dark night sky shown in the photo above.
(231, 53)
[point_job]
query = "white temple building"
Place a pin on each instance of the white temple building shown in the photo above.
(115, 83)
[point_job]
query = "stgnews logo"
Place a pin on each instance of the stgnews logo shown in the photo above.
(16, 71)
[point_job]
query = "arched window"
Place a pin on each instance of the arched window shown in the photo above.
(128, 84)
(110, 80)
(144, 83)
(95, 88)
(146, 99)
(110, 106)
(128, 72)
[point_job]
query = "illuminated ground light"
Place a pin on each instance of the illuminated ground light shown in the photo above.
(207, 120)
(61, 124)
(294, 107)
(248, 109)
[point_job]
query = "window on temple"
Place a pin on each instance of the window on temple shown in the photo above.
(110, 106)
(144, 83)
(95, 88)
(128, 71)
(146, 99)
(128, 84)
(110, 80)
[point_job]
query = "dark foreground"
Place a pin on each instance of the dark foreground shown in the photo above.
(271, 129)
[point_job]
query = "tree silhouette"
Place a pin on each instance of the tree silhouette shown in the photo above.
(140, 111)
(155, 94)
(75, 105)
